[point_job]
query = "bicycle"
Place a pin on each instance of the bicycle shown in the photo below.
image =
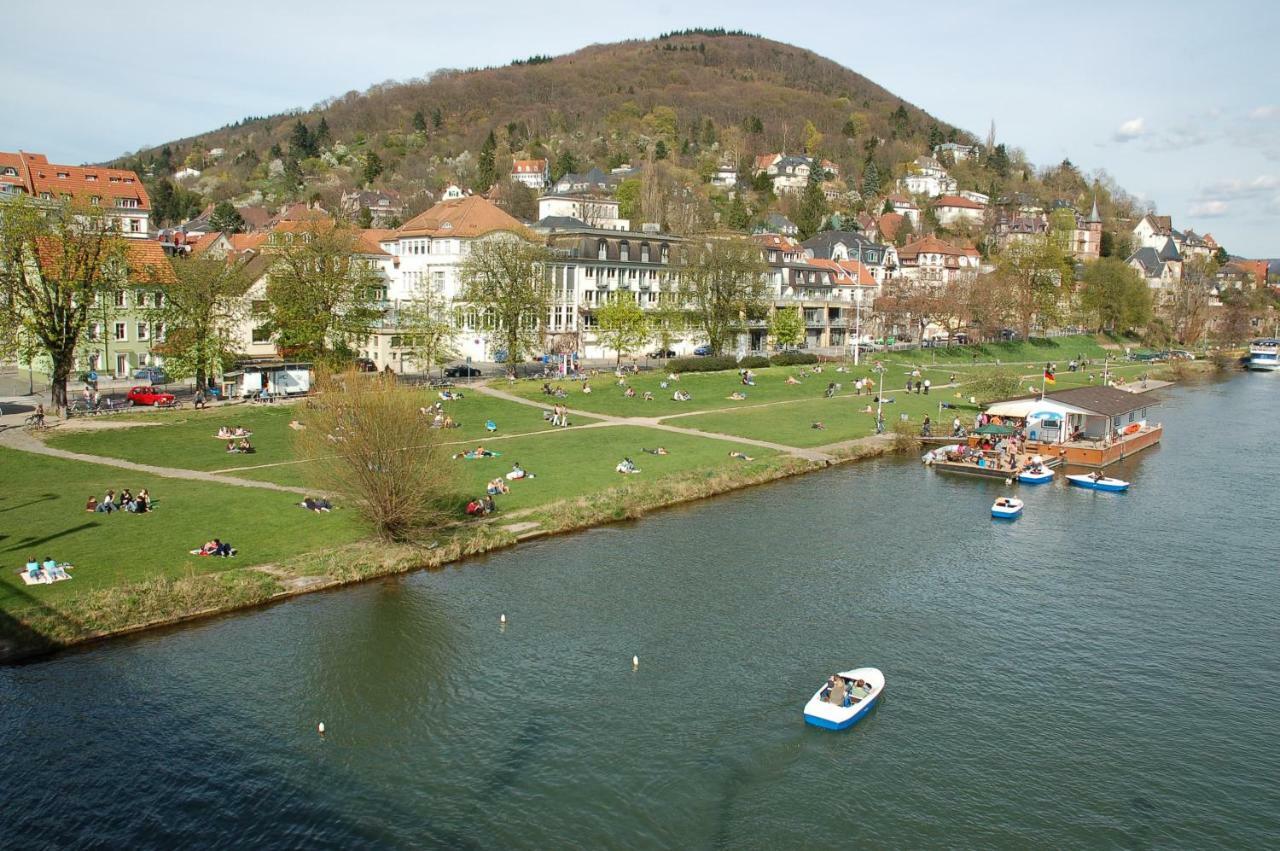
(35, 421)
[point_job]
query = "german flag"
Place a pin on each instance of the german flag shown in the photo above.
(1048, 376)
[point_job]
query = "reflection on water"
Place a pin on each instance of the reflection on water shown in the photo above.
(1046, 678)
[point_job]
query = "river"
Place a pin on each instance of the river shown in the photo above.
(1101, 672)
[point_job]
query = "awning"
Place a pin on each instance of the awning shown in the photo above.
(1033, 407)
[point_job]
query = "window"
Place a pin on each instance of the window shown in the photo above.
(122, 332)
(437, 280)
(261, 335)
(95, 200)
(142, 331)
(129, 203)
(122, 298)
(644, 252)
(602, 250)
(624, 251)
(135, 225)
(158, 332)
(158, 299)
(95, 331)
(665, 253)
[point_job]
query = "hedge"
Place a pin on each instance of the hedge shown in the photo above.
(707, 364)
(753, 362)
(793, 358)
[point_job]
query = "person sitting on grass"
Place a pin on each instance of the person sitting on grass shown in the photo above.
(830, 391)
(648, 396)
(681, 396)
(316, 504)
(518, 472)
(216, 547)
(631, 393)
(224, 432)
(546, 388)
(241, 431)
(126, 500)
(627, 466)
(737, 396)
(791, 379)
(497, 486)
(661, 450)
(673, 376)
(141, 504)
(474, 508)
(819, 426)
(586, 388)
(108, 503)
(488, 504)
(748, 378)
(245, 446)
(741, 456)
(92, 504)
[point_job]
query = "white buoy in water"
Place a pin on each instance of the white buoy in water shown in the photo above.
(320, 728)
(635, 662)
(502, 618)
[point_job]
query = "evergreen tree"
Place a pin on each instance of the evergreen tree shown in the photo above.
(301, 142)
(437, 118)
(813, 206)
(364, 219)
(870, 180)
(737, 216)
(372, 167)
(754, 124)
(901, 122)
(708, 133)
(276, 152)
(486, 170)
(935, 136)
(850, 128)
(566, 163)
(162, 202)
(322, 136)
(419, 122)
(999, 161)
(226, 218)
(660, 150)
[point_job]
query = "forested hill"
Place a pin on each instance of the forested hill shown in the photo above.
(697, 98)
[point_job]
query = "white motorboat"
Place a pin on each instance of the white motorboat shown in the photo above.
(1096, 482)
(859, 690)
(1006, 507)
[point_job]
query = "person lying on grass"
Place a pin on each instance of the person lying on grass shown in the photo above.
(627, 466)
(791, 379)
(819, 426)
(631, 393)
(737, 397)
(661, 450)
(216, 547)
(518, 472)
(316, 504)
(741, 456)
(681, 396)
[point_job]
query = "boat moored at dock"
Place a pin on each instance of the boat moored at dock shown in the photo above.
(1264, 355)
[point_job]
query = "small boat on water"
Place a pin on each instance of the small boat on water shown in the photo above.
(856, 692)
(1097, 482)
(1264, 355)
(1006, 507)
(1036, 472)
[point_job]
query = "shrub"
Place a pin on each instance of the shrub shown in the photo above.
(793, 359)
(906, 436)
(753, 362)
(707, 364)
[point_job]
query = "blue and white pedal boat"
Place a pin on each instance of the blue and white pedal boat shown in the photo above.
(1098, 483)
(1006, 508)
(820, 712)
(1033, 477)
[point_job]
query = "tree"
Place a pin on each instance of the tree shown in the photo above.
(622, 324)
(1035, 271)
(321, 294)
(1221, 257)
(738, 217)
(566, 163)
(427, 330)
(1115, 295)
(628, 198)
(380, 453)
(226, 218)
(54, 264)
(935, 136)
(372, 167)
(437, 118)
(870, 180)
(486, 168)
(660, 150)
(812, 139)
(1240, 310)
(419, 122)
(518, 200)
(364, 219)
(786, 327)
(321, 136)
(813, 205)
(301, 142)
(753, 124)
(721, 283)
(504, 280)
(1186, 305)
(200, 312)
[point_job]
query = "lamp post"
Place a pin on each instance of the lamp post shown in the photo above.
(857, 324)
(880, 401)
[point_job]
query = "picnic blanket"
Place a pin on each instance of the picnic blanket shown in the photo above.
(471, 456)
(42, 576)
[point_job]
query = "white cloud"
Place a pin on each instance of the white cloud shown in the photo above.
(1236, 188)
(1263, 112)
(1131, 129)
(1208, 209)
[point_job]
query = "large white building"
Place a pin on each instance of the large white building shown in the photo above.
(592, 210)
(117, 192)
(928, 177)
(535, 174)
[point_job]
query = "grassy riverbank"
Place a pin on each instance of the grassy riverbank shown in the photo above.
(133, 571)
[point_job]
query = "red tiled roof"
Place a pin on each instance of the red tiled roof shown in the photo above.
(241, 242)
(528, 166)
(958, 201)
(763, 161)
(38, 176)
(858, 271)
(203, 242)
(146, 261)
(933, 245)
(1256, 268)
(464, 218)
(889, 225)
(777, 241)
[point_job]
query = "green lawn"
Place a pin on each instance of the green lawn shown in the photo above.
(42, 511)
(186, 439)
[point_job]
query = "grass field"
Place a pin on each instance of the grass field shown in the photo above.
(43, 515)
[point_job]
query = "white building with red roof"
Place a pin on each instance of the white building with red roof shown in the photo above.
(535, 174)
(116, 191)
(932, 262)
(954, 210)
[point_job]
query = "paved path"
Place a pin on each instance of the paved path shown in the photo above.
(654, 423)
(23, 441)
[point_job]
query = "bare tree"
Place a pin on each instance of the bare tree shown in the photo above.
(722, 284)
(199, 313)
(373, 447)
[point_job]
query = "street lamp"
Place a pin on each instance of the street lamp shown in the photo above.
(857, 324)
(880, 400)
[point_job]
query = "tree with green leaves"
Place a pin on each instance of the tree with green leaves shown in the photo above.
(738, 216)
(628, 197)
(721, 284)
(786, 327)
(321, 293)
(200, 313)
(322, 136)
(55, 263)
(504, 281)
(668, 321)
(870, 180)
(813, 208)
(437, 118)
(1221, 257)
(565, 163)
(226, 218)
(364, 218)
(753, 124)
(622, 324)
(660, 151)
(301, 142)
(936, 137)
(372, 167)
(1035, 271)
(426, 329)
(1115, 295)
(486, 166)
(419, 122)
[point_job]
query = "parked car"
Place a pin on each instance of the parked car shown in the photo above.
(149, 396)
(461, 370)
(154, 374)
(662, 353)
(702, 351)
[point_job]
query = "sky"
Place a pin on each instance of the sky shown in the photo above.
(1179, 102)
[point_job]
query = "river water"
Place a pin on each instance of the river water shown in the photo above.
(1101, 672)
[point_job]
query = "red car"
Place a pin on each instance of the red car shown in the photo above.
(149, 396)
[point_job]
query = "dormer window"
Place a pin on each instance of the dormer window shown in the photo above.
(46, 196)
(10, 171)
(644, 252)
(95, 200)
(114, 179)
(665, 253)
(64, 175)
(91, 177)
(602, 250)
(624, 251)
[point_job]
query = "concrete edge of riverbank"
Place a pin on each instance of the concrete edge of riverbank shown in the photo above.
(366, 560)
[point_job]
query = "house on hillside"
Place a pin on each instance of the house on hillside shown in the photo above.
(1153, 231)
(881, 260)
(383, 204)
(953, 210)
(906, 207)
(595, 211)
(889, 225)
(1242, 274)
(926, 176)
(593, 180)
(726, 175)
(930, 262)
(124, 335)
(957, 151)
(117, 192)
(535, 174)
(775, 222)
(790, 172)
(1158, 274)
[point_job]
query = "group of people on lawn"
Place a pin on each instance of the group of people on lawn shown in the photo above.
(242, 445)
(124, 501)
